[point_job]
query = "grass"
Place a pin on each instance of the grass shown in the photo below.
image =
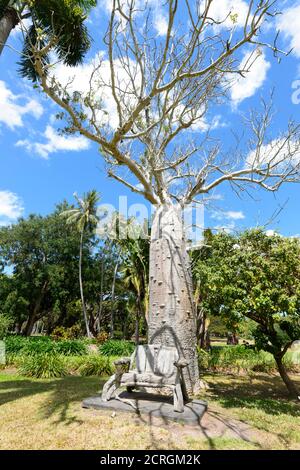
(248, 412)
(240, 359)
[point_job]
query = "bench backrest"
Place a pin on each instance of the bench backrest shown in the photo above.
(156, 359)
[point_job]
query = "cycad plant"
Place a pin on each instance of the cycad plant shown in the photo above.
(84, 216)
(62, 21)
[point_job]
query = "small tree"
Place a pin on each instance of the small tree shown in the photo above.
(160, 89)
(255, 276)
(85, 218)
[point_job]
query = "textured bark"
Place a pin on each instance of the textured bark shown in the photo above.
(172, 315)
(294, 392)
(7, 23)
(33, 317)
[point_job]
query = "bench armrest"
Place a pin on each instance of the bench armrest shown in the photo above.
(122, 365)
(122, 361)
(181, 363)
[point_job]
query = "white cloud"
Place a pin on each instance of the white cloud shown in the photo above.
(224, 10)
(245, 87)
(288, 24)
(54, 143)
(235, 215)
(229, 215)
(160, 24)
(78, 79)
(279, 152)
(11, 207)
(12, 109)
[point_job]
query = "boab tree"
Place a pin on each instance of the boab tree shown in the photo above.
(145, 94)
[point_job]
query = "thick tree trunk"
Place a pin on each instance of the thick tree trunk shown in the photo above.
(33, 316)
(7, 23)
(172, 315)
(85, 317)
(294, 392)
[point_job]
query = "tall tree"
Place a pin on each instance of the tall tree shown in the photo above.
(257, 277)
(135, 272)
(62, 19)
(162, 87)
(85, 218)
(42, 254)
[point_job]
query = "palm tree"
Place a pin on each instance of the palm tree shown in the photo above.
(85, 218)
(62, 20)
(135, 273)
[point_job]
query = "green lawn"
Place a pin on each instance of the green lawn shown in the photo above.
(247, 412)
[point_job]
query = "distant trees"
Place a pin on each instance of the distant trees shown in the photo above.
(84, 217)
(256, 277)
(41, 253)
(39, 275)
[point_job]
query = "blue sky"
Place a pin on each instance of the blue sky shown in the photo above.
(39, 168)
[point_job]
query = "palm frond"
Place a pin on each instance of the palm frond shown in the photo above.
(26, 63)
(65, 19)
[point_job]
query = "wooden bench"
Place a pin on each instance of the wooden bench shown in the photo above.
(150, 366)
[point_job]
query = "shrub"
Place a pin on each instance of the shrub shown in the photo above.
(15, 344)
(102, 337)
(70, 347)
(35, 346)
(60, 332)
(117, 347)
(241, 358)
(96, 365)
(43, 366)
(5, 324)
(44, 345)
(73, 363)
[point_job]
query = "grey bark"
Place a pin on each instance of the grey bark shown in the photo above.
(81, 286)
(172, 314)
(294, 392)
(7, 23)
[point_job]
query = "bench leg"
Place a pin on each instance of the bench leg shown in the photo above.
(109, 388)
(178, 399)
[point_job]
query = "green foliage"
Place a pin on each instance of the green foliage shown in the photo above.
(117, 347)
(61, 332)
(70, 347)
(256, 277)
(15, 344)
(95, 365)
(18, 345)
(102, 337)
(5, 324)
(43, 366)
(62, 20)
(241, 359)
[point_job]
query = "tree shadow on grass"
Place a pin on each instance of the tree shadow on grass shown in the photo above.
(67, 392)
(263, 392)
(62, 393)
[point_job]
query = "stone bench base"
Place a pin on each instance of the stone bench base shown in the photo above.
(149, 404)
